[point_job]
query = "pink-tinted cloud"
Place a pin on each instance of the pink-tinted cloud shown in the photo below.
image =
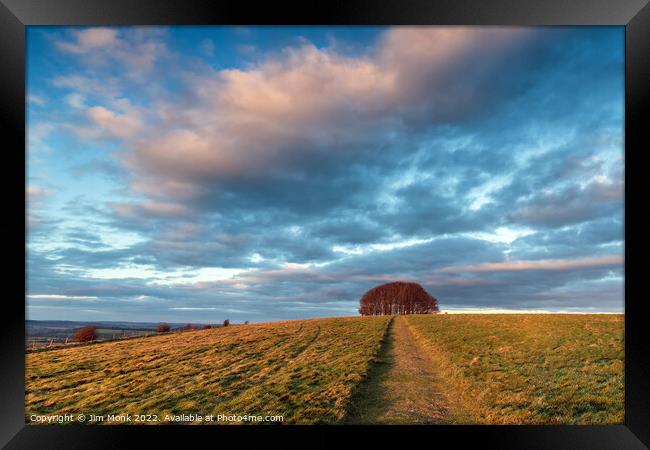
(250, 122)
(137, 49)
(542, 264)
(149, 209)
(115, 124)
(35, 191)
(89, 39)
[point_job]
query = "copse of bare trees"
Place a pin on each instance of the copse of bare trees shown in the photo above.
(397, 298)
(162, 328)
(226, 323)
(86, 334)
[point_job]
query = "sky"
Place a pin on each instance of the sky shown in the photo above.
(269, 173)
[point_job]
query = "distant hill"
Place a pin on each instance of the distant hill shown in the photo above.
(42, 331)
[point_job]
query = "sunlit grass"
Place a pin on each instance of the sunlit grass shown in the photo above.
(533, 369)
(302, 370)
(492, 369)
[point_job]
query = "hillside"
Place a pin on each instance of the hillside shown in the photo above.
(408, 369)
(303, 370)
(533, 369)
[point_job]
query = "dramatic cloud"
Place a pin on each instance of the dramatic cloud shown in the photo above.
(265, 175)
(309, 110)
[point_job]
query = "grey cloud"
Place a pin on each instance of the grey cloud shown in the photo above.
(571, 205)
(234, 173)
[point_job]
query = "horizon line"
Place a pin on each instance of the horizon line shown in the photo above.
(448, 311)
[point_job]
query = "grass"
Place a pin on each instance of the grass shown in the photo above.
(402, 387)
(528, 369)
(304, 370)
(467, 369)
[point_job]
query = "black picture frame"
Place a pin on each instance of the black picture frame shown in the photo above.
(15, 15)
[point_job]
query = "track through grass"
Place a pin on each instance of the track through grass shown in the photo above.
(528, 368)
(418, 369)
(402, 387)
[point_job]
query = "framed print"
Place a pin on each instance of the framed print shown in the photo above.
(387, 219)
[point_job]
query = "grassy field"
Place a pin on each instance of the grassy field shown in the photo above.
(532, 369)
(496, 369)
(302, 370)
(403, 387)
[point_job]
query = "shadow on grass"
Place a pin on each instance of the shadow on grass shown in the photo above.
(370, 402)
